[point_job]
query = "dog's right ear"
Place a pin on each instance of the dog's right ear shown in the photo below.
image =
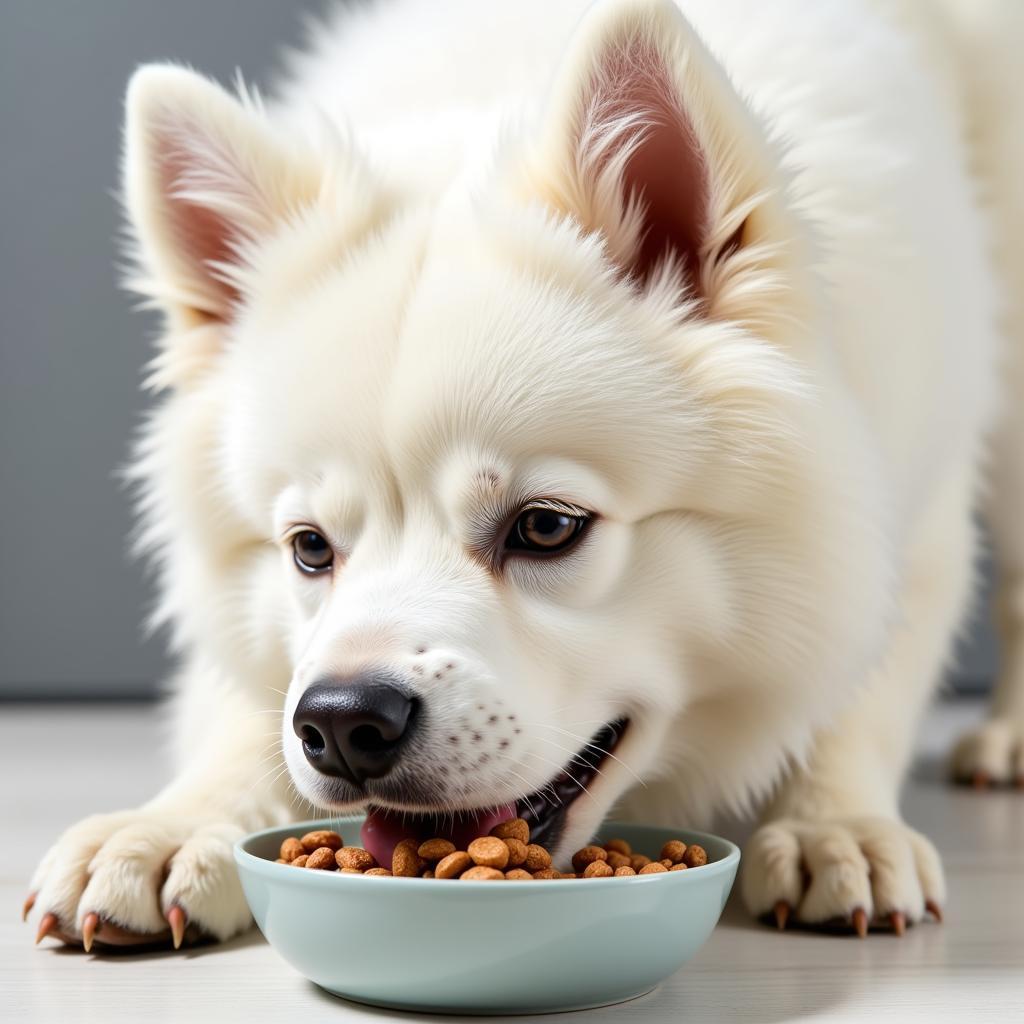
(205, 178)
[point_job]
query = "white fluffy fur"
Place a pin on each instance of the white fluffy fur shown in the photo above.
(418, 313)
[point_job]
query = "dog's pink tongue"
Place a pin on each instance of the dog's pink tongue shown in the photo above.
(384, 830)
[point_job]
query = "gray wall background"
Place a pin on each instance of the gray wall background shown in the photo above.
(71, 349)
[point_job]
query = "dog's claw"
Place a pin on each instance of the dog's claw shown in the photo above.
(177, 920)
(90, 926)
(934, 909)
(46, 925)
(981, 780)
(30, 902)
(898, 921)
(860, 922)
(781, 912)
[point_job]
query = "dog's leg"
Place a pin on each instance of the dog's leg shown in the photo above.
(994, 751)
(149, 874)
(834, 847)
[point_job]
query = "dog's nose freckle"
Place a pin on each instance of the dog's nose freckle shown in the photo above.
(484, 758)
(517, 730)
(492, 719)
(477, 737)
(511, 718)
(449, 665)
(421, 650)
(503, 745)
(453, 739)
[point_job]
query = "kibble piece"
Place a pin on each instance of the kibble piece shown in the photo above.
(355, 857)
(567, 874)
(665, 862)
(581, 858)
(695, 856)
(514, 828)
(638, 861)
(678, 867)
(617, 860)
(673, 850)
(624, 872)
(488, 852)
(546, 873)
(453, 865)
(537, 858)
(598, 869)
(517, 852)
(427, 874)
(349, 871)
(654, 868)
(300, 862)
(378, 871)
(405, 861)
(281, 860)
(519, 875)
(292, 848)
(436, 849)
(482, 873)
(322, 859)
(321, 837)
(618, 846)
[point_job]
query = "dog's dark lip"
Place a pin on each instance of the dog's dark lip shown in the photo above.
(545, 810)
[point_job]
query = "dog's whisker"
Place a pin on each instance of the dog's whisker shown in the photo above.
(594, 746)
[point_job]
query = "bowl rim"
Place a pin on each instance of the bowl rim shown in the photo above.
(271, 869)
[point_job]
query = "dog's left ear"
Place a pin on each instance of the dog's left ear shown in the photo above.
(647, 143)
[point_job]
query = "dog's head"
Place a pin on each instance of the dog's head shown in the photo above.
(525, 475)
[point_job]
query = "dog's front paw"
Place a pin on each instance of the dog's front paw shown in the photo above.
(991, 753)
(138, 877)
(847, 873)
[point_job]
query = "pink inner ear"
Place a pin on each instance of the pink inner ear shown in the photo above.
(202, 236)
(666, 168)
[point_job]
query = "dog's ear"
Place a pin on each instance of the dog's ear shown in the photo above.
(646, 142)
(205, 176)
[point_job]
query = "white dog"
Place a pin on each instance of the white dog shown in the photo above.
(557, 399)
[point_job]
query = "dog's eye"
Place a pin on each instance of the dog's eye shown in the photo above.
(313, 554)
(545, 531)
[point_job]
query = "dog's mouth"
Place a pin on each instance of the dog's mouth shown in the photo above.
(545, 810)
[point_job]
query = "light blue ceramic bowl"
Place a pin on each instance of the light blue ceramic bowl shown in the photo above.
(480, 947)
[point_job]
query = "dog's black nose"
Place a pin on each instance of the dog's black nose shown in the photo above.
(354, 728)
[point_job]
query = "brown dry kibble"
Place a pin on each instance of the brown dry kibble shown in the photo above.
(546, 873)
(598, 869)
(322, 859)
(517, 852)
(321, 837)
(519, 875)
(673, 850)
(654, 868)
(695, 856)
(638, 861)
(355, 857)
(292, 848)
(488, 852)
(566, 874)
(482, 873)
(453, 865)
(617, 860)
(537, 858)
(427, 874)
(618, 846)
(665, 862)
(624, 872)
(281, 860)
(350, 871)
(678, 867)
(406, 862)
(378, 871)
(300, 862)
(436, 849)
(514, 828)
(581, 858)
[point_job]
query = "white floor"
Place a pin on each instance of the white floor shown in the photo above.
(58, 763)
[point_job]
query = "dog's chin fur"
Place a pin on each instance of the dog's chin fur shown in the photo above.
(400, 305)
